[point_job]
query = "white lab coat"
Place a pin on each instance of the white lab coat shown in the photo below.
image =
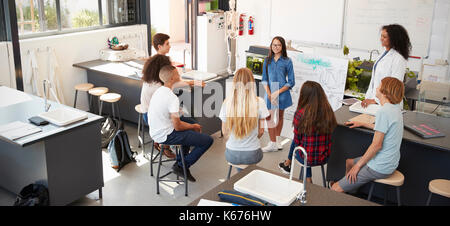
(391, 65)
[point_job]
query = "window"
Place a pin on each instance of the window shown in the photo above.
(79, 14)
(45, 17)
(36, 16)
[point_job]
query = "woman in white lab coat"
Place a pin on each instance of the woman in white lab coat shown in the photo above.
(392, 63)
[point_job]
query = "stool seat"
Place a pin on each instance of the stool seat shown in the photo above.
(98, 91)
(110, 97)
(84, 87)
(396, 179)
(139, 110)
(440, 187)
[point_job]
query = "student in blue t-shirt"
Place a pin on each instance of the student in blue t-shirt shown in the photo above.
(383, 155)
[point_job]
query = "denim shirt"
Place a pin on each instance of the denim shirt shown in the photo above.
(281, 71)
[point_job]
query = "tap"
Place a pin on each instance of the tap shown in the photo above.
(371, 52)
(302, 195)
(47, 85)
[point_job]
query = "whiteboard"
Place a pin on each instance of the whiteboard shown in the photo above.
(366, 17)
(329, 72)
(317, 22)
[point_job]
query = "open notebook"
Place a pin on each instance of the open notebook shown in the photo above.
(370, 110)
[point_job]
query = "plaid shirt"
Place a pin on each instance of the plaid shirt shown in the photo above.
(317, 146)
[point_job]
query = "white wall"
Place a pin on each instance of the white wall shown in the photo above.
(7, 76)
(76, 48)
(261, 11)
(168, 17)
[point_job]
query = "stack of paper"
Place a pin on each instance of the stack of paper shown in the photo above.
(16, 130)
(370, 110)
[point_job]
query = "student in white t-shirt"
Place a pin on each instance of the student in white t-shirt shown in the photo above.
(167, 128)
(243, 114)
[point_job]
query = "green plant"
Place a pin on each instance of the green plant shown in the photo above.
(353, 74)
(85, 18)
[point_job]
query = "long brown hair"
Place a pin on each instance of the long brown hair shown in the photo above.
(318, 116)
(271, 53)
(152, 67)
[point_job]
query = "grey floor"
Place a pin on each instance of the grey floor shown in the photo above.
(133, 186)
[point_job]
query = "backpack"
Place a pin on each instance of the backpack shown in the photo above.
(33, 195)
(109, 129)
(119, 150)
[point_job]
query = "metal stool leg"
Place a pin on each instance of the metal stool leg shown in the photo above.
(151, 159)
(429, 199)
(118, 111)
(370, 191)
(75, 101)
(113, 113)
(398, 196)
(184, 170)
(101, 106)
(90, 102)
(323, 177)
(229, 172)
(139, 130)
(157, 176)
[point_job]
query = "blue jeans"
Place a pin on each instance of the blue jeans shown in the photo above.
(299, 158)
(188, 138)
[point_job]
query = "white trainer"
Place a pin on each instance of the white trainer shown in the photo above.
(272, 146)
(279, 145)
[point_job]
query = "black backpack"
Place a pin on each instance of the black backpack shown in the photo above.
(33, 195)
(109, 128)
(119, 150)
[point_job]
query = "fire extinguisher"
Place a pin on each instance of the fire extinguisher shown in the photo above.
(251, 26)
(241, 24)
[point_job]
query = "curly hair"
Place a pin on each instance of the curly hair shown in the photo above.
(152, 67)
(399, 39)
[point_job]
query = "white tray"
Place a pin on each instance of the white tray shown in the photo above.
(274, 189)
(63, 116)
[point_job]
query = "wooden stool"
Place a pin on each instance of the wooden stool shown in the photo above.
(110, 98)
(85, 87)
(440, 187)
(396, 179)
(97, 92)
(160, 178)
(236, 166)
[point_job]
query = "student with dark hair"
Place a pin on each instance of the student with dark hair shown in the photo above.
(314, 122)
(167, 128)
(383, 155)
(278, 79)
(161, 43)
(392, 63)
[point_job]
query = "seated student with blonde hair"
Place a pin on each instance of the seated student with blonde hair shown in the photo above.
(383, 155)
(243, 114)
(167, 128)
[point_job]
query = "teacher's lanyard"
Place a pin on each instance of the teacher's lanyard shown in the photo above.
(376, 64)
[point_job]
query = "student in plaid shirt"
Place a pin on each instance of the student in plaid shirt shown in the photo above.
(314, 122)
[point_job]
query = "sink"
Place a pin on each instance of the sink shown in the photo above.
(272, 188)
(63, 116)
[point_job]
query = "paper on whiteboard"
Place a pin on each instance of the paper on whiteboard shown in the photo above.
(329, 72)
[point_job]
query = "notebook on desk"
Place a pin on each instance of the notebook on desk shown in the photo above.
(370, 110)
(17, 130)
(424, 130)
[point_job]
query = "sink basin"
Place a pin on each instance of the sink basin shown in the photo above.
(63, 116)
(272, 188)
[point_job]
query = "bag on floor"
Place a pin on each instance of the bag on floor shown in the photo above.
(109, 128)
(33, 195)
(120, 151)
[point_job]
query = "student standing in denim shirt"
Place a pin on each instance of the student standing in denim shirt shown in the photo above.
(278, 79)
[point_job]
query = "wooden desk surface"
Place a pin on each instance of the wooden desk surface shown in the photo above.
(443, 124)
(315, 196)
